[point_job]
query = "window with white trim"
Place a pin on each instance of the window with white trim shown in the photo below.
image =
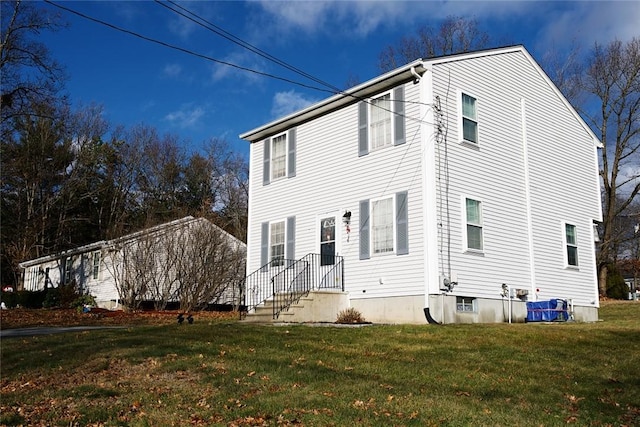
(469, 118)
(68, 270)
(571, 243)
(380, 122)
(466, 305)
(382, 225)
(276, 243)
(473, 212)
(95, 268)
(279, 156)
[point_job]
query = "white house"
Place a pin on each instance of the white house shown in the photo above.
(426, 191)
(146, 263)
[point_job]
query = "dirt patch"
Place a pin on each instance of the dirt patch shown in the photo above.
(23, 318)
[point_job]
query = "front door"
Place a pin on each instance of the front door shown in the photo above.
(327, 240)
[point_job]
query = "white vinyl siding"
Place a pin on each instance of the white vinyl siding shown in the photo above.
(495, 175)
(333, 178)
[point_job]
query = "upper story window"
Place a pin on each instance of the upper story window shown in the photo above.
(473, 211)
(279, 158)
(381, 121)
(571, 243)
(469, 118)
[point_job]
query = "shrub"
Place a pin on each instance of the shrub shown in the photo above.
(81, 301)
(52, 298)
(350, 315)
(616, 286)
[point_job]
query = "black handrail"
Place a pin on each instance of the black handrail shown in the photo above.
(286, 281)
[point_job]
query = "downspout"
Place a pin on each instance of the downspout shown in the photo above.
(429, 218)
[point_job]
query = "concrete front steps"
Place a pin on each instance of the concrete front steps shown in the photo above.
(317, 306)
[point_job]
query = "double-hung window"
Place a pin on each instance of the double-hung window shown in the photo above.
(68, 270)
(380, 123)
(279, 159)
(469, 118)
(473, 212)
(382, 225)
(95, 268)
(571, 243)
(276, 243)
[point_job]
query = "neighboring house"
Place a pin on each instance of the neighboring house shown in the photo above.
(423, 191)
(168, 262)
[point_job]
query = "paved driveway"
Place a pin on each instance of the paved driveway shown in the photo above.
(46, 330)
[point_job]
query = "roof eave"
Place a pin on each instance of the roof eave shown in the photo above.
(355, 94)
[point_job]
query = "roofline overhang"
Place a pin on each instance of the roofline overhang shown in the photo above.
(340, 100)
(390, 79)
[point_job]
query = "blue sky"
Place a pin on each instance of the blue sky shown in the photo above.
(196, 99)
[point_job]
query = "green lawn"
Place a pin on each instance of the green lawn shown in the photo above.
(230, 373)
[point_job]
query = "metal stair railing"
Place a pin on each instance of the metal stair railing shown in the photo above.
(257, 287)
(286, 281)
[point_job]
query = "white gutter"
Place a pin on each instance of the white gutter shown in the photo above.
(350, 96)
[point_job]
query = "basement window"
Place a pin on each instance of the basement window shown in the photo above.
(466, 305)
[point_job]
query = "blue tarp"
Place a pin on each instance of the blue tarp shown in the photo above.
(554, 310)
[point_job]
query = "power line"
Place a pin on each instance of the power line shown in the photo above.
(181, 49)
(246, 45)
(240, 42)
(237, 40)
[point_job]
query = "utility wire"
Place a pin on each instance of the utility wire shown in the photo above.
(181, 49)
(209, 58)
(240, 42)
(237, 40)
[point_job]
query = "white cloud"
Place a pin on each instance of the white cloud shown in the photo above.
(243, 59)
(353, 18)
(172, 70)
(285, 103)
(586, 23)
(186, 117)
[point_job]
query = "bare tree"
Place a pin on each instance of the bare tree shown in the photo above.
(191, 261)
(229, 188)
(210, 267)
(454, 35)
(612, 81)
(28, 75)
